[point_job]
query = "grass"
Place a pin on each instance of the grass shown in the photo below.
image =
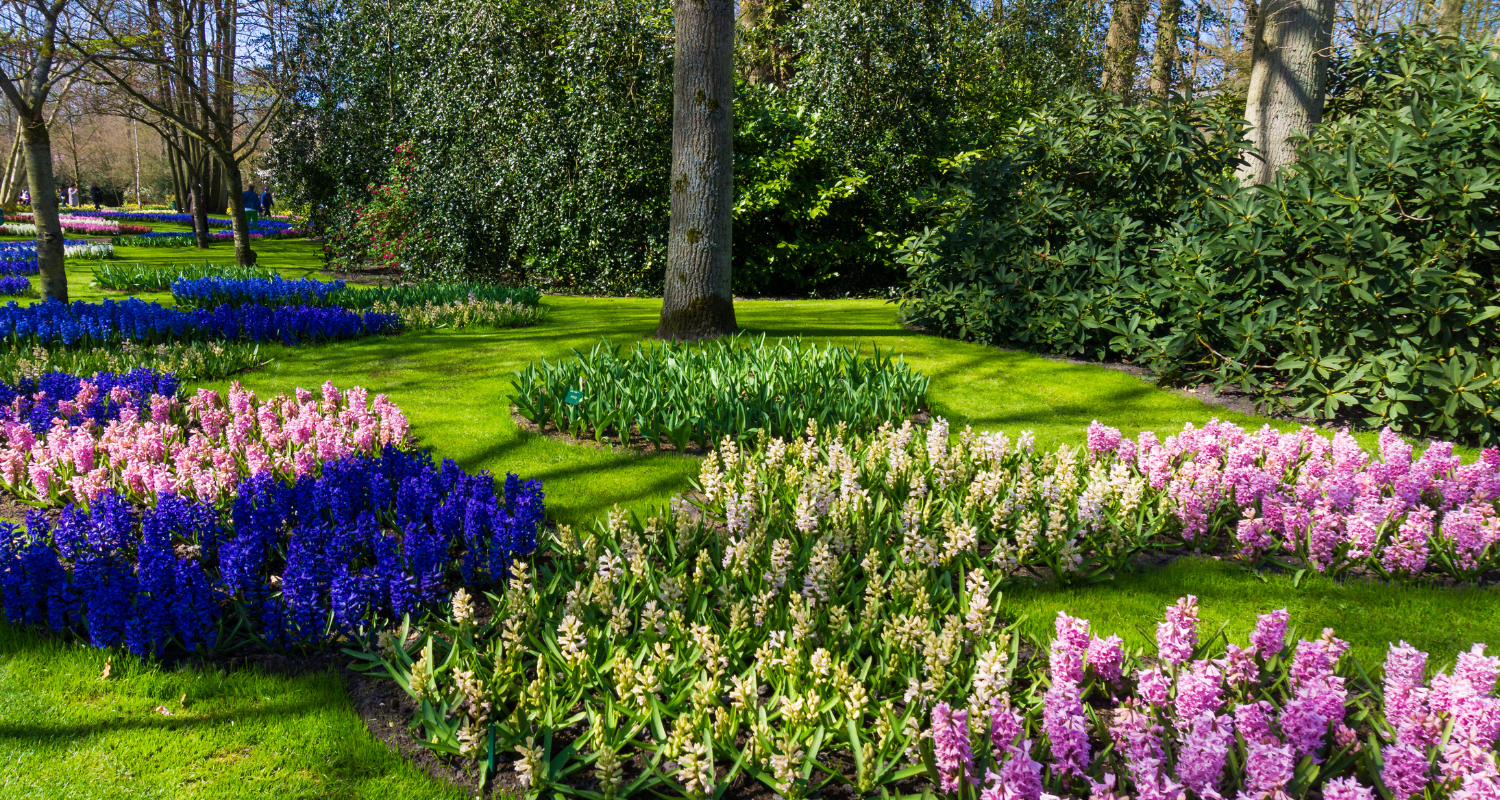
(64, 733)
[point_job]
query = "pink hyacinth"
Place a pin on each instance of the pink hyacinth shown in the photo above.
(1139, 739)
(1154, 686)
(1269, 636)
(1268, 769)
(1066, 725)
(1178, 634)
(1199, 692)
(1069, 647)
(1405, 695)
(1347, 789)
(1205, 748)
(950, 744)
(1105, 657)
(1405, 770)
(1254, 722)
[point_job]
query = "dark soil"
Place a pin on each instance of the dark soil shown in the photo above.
(375, 276)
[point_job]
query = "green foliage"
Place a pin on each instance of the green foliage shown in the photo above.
(140, 276)
(154, 241)
(189, 361)
(731, 387)
(1361, 285)
(542, 132)
(436, 294)
(465, 313)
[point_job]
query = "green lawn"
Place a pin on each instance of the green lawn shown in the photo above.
(251, 735)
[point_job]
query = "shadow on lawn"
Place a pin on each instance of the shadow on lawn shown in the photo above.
(76, 733)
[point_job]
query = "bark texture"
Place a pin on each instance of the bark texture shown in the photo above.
(1450, 16)
(243, 255)
(1288, 81)
(697, 302)
(1165, 59)
(49, 234)
(1121, 47)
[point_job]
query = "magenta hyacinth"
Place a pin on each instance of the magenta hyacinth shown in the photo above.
(1178, 634)
(1347, 789)
(950, 744)
(1269, 636)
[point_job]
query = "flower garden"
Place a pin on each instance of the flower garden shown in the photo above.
(866, 562)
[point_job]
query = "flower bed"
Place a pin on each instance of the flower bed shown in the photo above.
(189, 361)
(465, 313)
(19, 258)
(269, 291)
(269, 224)
(1080, 515)
(275, 290)
(440, 306)
(89, 251)
(293, 519)
(22, 225)
(83, 324)
(808, 661)
(149, 277)
(730, 387)
(15, 286)
(330, 555)
(144, 443)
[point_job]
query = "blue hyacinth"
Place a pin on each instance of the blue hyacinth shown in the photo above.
(337, 554)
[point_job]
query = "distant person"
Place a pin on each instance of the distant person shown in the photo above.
(266, 201)
(73, 196)
(96, 194)
(26, 196)
(252, 206)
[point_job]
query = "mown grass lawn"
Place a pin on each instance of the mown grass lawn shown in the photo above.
(66, 733)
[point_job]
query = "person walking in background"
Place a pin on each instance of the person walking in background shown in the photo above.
(252, 206)
(26, 197)
(73, 196)
(95, 194)
(266, 201)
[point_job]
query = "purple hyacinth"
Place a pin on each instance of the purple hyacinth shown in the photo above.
(1178, 634)
(1066, 725)
(950, 744)
(1347, 789)
(1205, 748)
(1269, 636)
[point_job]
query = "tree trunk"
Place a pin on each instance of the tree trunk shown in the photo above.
(15, 172)
(1450, 14)
(50, 256)
(196, 177)
(1164, 59)
(1121, 47)
(243, 255)
(1288, 81)
(698, 302)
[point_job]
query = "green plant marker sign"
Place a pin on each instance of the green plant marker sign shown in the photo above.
(573, 397)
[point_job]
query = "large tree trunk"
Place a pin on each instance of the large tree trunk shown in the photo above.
(243, 255)
(1164, 59)
(1450, 15)
(1121, 47)
(50, 256)
(698, 302)
(1288, 81)
(196, 177)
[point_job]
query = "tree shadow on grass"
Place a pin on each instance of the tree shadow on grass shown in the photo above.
(76, 733)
